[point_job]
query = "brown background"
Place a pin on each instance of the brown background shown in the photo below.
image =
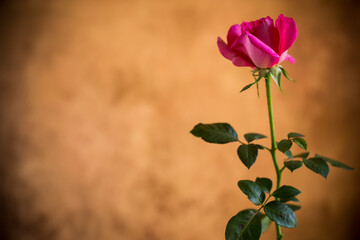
(98, 98)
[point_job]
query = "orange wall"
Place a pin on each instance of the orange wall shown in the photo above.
(98, 98)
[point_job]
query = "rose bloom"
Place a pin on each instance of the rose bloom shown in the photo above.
(259, 44)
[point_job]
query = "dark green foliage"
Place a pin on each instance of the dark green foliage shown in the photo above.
(286, 192)
(253, 136)
(264, 183)
(284, 145)
(281, 214)
(247, 154)
(294, 207)
(284, 200)
(265, 222)
(215, 133)
(300, 142)
(335, 163)
(289, 154)
(246, 225)
(253, 191)
(249, 224)
(317, 165)
(293, 164)
(259, 146)
(295, 135)
(302, 155)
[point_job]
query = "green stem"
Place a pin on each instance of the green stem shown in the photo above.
(273, 143)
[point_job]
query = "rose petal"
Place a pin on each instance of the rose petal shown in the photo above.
(287, 32)
(233, 34)
(241, 62)
(286, 56)
(260, 54)
(290, 58)
(283, 56)
(264, 30)
(237, 55)
(225, 50)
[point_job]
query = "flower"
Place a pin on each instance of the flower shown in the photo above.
(259, 44)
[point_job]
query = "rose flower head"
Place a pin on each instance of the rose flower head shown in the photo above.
(260, 43)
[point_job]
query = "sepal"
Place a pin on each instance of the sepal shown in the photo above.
(285, 73)
(275, 73)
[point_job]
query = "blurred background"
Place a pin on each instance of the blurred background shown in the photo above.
(98, 98)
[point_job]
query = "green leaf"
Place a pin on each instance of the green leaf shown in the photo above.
(294, 207)
(317, 165)
(265, 223)
(300, 142)
(215, 133)
(294, 135)
(246, 225)
(292, 165)
(284, 145)
(275, 73)
(253, 136)
(335, 163)
(264, 183)
(289, 154)
(294, 199)
(281, 214)
(253, 191)
(302, 155)
(259, 146)
(248, 154)
(286, 192)
(286, 74)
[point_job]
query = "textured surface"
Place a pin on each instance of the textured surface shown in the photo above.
(98, 98)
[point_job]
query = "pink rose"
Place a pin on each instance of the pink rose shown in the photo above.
(259, 44)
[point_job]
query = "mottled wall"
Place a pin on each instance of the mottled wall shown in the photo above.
(98, 97)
